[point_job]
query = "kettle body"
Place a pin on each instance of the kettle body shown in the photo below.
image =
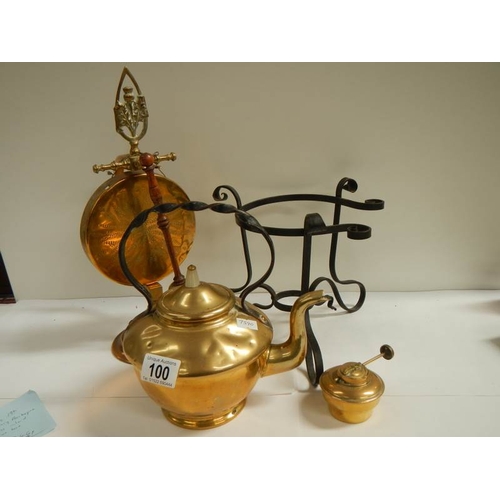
(214, 350)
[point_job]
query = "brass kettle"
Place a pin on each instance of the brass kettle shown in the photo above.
(199, 352)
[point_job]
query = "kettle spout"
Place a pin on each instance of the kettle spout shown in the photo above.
(291, 353)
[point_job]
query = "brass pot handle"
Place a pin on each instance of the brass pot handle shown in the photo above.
(386, 352)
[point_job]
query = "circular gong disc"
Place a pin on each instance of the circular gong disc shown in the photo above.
(109, 212)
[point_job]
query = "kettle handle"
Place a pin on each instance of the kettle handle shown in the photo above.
(250, 222)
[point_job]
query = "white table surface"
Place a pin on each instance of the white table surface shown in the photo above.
(443, 381)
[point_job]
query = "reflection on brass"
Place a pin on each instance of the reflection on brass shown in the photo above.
(222, 349)
(352, 391)
(109, 212)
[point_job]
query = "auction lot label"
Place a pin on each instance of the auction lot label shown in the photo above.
(160, 370)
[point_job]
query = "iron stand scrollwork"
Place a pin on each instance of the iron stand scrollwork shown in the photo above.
(313, 226)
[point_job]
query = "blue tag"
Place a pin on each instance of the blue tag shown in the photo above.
(25, 417)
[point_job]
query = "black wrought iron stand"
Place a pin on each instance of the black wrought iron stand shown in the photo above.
(313, 226)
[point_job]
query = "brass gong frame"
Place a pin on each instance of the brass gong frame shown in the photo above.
(133, 188)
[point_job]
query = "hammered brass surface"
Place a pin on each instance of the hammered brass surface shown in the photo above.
(108, 214)
(223, 350)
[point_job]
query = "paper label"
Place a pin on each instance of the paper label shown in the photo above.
(247, 323)
(25, 417)
(160, 370)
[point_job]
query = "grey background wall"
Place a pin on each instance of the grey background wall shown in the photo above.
(422, 137)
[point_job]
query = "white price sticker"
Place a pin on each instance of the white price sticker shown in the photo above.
(247, 323)
(160, 370)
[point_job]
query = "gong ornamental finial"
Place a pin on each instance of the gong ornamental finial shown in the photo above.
(131, 113)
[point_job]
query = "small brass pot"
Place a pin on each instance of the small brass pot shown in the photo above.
(351, 392)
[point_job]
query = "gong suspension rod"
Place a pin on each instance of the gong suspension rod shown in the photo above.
(148, 163)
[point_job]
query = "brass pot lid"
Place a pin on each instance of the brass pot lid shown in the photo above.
(109, 212)
(352, 382)
(196, 301)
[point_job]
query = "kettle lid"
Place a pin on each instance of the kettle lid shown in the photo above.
(195, 300)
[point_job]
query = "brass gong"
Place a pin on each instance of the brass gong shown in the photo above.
(119, 200)
(113, 207)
